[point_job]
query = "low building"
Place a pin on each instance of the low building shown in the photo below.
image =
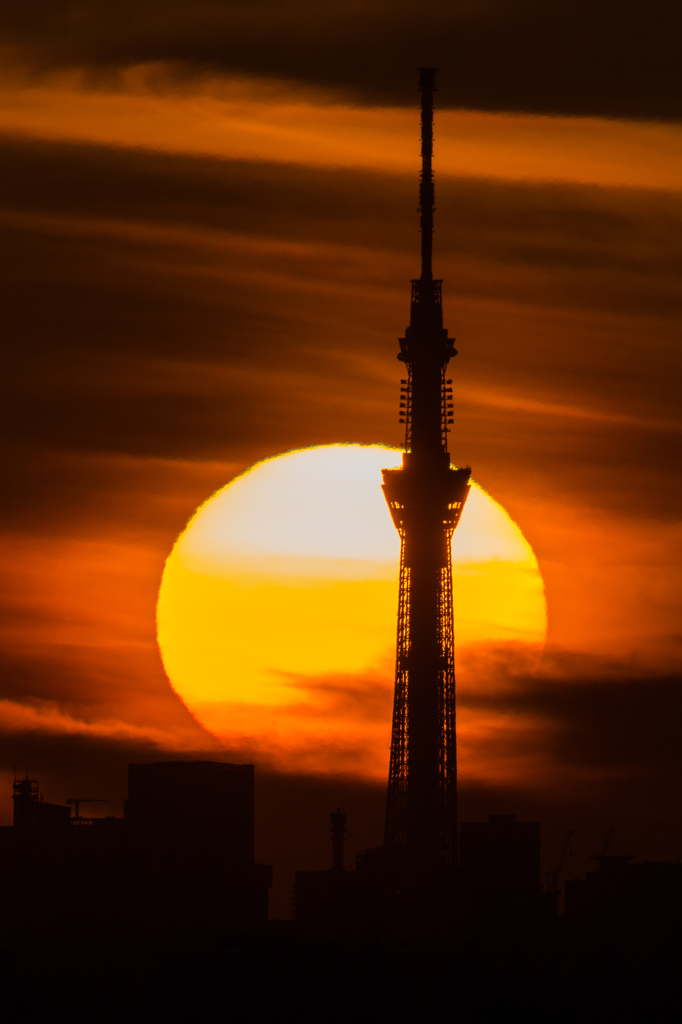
(177, 871)
(626, 914)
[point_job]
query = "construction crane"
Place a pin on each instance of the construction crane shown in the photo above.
(607, 842)
(339, 833)
(76, 804)
(552, 877)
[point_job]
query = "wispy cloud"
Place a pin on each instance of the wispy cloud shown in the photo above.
(236, 118)
(47, 718)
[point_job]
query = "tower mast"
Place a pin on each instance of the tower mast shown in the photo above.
(426, 497)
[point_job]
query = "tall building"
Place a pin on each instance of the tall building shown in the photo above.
(426, 497)
(203, 804)
(191, 834)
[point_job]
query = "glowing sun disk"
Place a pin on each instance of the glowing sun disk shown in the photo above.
(277, 608)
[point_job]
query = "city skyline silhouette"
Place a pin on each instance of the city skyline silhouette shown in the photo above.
(208, 257)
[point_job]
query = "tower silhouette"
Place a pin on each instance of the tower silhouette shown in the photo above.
(426, 497)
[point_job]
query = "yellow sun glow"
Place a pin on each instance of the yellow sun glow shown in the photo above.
(277, 608)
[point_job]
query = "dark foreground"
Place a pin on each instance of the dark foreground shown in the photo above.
(313, 980)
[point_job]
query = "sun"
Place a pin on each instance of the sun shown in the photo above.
(278, 603)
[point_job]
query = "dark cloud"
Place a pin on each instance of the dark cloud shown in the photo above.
(581, 57)
(90, 684)
(352, 697)
(612, 720)
(175, 307)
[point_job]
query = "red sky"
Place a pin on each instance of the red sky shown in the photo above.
(209, 219)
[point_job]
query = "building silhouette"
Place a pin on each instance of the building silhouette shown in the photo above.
(63, 878)
(177, 871)
(328, 902)
(501, 899)
(30, 811)
(624, 917)
(190, 826)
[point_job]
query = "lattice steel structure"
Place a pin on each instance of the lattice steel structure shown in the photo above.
(426, 497)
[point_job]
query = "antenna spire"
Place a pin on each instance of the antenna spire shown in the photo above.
(427, 85)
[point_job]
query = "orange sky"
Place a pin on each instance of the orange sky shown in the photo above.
(205, 272)
(251, 119)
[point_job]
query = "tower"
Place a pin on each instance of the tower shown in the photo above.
(426, 497)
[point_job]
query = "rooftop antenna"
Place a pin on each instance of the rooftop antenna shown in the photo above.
(607, 842)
